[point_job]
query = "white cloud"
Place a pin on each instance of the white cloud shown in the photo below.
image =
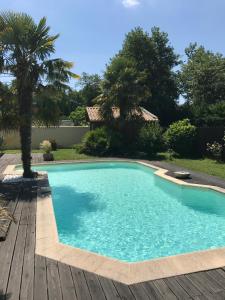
(130, 3)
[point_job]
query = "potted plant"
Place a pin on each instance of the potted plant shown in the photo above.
(47, 148)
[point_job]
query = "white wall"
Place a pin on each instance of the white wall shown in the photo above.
(65, 136)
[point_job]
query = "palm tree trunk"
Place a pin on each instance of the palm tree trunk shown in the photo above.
(25, 111)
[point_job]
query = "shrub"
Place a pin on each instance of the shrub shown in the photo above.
(151, 139)
(46, 146)
(1, 143)
(215, 150)
(78, 116)
(96, 142)
(180, 137)
(53, 144)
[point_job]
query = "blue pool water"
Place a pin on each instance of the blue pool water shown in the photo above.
(122, 210)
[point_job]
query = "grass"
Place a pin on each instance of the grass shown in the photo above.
(16, 151)
(60, 154)
(203, 165)
(69, 154)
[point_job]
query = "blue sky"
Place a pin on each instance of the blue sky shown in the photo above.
(92, 31)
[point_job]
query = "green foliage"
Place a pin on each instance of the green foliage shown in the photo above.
(46, 146)
(180, 137)
(206, 165)
(209, 115)
(69, 101)
(202, 82)
(122, 88)
(154, 61)
(9, 119)
(53, 144)
(151, 139)
(203, 76)
(101, 141)
(90, 88)
(2, 142)
(46, 107)
(215, 150)
(78, 116)
(25, 53)
(96, 142)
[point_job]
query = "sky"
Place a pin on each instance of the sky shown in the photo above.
(92, 31)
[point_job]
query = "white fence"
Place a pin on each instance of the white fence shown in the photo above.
(65, 136)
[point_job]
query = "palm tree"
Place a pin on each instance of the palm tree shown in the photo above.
(25, 49)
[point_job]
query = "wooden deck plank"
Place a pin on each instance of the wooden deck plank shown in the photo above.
(215, 296)
(24, 275)
(7, 249)
(164, 290)
(218, 277)
(109, 289)
(188, 286)
(66, 280)
(15, 276)
(28, 264)
(40, 278)
(54, 287)
(206, 283)
(177, 288)
(138, 292)
(80, 284)
(151, 290)
(124, 291)
(94, 286)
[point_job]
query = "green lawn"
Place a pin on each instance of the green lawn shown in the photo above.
(69, 154)
(205, 165)
(60, 154)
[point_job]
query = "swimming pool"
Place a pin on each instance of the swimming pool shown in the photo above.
(124, 211)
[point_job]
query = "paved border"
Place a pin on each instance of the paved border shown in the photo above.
(47, 244)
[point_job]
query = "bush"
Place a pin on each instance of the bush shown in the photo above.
(1, 143)
(151, 139)
(78, 116)
(53, 144)
(96, 142)
(215, 150)
(46, 146)
(180, 137)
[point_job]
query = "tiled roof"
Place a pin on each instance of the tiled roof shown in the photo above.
(94, 114)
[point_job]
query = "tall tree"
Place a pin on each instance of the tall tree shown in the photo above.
(203, 76)
(46, 106)
(154, 57)
(25, 49)
(90, 87)
(202, 81)
(123, 87)
(9, 119)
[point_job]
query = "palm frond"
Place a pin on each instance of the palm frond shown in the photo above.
(58, 70)
(5, 216)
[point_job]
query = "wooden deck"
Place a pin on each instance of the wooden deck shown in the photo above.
(24, 275)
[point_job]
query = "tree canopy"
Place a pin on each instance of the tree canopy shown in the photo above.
(202, 82)
(25, 51)
(154, 82)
